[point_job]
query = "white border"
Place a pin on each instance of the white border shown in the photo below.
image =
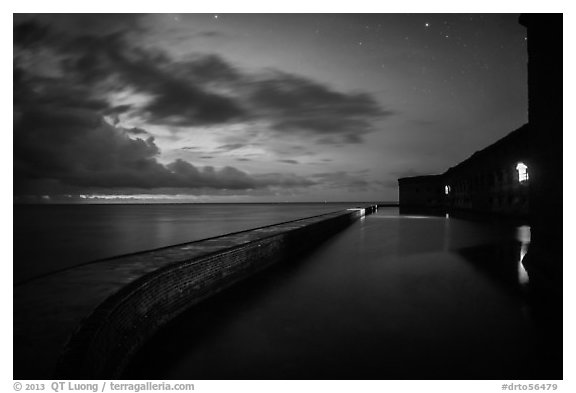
(302, 6)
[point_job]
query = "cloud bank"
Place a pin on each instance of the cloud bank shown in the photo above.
(67, 128)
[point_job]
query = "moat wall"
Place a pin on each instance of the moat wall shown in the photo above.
(109, 329)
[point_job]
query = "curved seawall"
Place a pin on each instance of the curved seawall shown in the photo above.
(86, 322)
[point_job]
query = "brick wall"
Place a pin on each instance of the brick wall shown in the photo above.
(104, 343)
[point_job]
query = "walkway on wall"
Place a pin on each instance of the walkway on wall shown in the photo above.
(89, 318)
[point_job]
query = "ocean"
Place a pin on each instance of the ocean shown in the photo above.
(48, 238)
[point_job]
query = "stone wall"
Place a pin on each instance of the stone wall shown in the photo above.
(104, 341)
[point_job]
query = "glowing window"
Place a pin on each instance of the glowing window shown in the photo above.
(522, 172)
(446, 190)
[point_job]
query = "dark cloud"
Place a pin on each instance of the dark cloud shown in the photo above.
(30, 89)
(136, 131)
(298, 105)
(117, 110)
(29, 33)
(190, 92)
(181, 105)
(289, 161)
(81, 24)
(177, 91)
(77, 147)
(212, 68)
(209, 177)
(231, 146)
(178, 95)
(67, 129)
(74, 149)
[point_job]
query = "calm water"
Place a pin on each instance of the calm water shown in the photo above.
(52, 237)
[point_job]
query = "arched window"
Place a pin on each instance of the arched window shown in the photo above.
(522, 172)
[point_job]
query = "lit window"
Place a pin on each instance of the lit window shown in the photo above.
(522, 172)
(446, 190)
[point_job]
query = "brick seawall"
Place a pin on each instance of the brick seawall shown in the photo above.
(87, 322)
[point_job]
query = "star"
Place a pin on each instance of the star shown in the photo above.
(427, 24)
(360, 43)
(215, 16)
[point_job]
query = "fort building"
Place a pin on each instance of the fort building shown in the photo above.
(493, 180)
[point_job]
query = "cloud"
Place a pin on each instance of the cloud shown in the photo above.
(231, 146)
(29, 33)
(211, 68)
(68, 133)
(176, 91)
(89, 23)
(67, 149)
(296, 104)
(289, 161)
(78, 148)
(135, 131)
(203, 90)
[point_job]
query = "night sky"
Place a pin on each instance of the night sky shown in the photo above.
(256, 107)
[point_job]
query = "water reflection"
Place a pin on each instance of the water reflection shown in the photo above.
(523, 236)
(446, 244)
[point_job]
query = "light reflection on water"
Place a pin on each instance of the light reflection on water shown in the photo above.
(523, 236)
